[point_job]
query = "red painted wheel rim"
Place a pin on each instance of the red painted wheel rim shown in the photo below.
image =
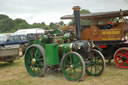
(121, 58)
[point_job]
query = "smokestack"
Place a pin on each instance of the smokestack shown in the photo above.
(77, 21)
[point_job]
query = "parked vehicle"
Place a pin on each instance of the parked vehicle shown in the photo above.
(3, 37)
(28, 31)
(12, 47)
(13, 40)
(109, 31)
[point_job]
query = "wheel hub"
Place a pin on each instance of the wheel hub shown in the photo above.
(33, 61)
(71, 66)
(124, 58)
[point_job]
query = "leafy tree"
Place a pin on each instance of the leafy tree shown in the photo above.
(6, 24)
(19, 21)
(53, 25)
(9, 25)
(85, 21)
(36, 25)
(2, 16)
(82, 22)
(20, 24)
(61, 23)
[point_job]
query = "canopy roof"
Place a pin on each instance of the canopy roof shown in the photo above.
(99, 15)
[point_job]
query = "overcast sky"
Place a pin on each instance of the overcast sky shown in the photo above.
(51, 10)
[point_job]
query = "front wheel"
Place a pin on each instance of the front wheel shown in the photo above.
(35, 61)
(73, 66)
(95, 63)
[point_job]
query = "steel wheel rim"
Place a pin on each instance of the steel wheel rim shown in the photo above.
(34, 61)
(121, 58)
(73, 70)
(96, 65)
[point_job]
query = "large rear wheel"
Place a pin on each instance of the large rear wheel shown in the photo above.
(95, 63)
(73, 66)
(35, 61)
(121, 58)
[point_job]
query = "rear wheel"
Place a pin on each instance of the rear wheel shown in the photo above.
(95, 63)
(35, 61)
(73, 66)
(121, 58)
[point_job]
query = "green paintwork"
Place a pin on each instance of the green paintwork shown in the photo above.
(57, 40)
(57, 31)
(66, 47)
(52, 56)
(41, 41)
(66, 36)
(44, 38)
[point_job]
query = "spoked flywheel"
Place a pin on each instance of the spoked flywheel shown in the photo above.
(35, 61)
(73, 66)
(95, 63)
(121, 58)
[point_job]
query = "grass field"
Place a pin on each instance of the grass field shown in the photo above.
(16, 74)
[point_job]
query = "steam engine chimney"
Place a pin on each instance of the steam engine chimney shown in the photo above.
(77, 21)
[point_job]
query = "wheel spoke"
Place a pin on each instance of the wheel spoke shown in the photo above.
(40, 59)
(127, 62)
(71, 62)
(121, 64)
(69, 70)
(91, 69)
(68, 61)
(36, 53)
(122, 53)
(30, 63)
(95, 69)
(77, 64)
(30, 54)
(119, 58)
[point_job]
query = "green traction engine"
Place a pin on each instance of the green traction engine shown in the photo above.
(56, 50)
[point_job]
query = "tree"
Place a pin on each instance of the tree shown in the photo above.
(2, 16)
(20, 24)
(36, 25)
(6, 24)
(85, 21)
(9, 25)
(82, 22)
(54, 25)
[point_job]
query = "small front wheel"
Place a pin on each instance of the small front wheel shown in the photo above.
(73, 66)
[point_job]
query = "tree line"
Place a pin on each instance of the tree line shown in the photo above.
(11, 25)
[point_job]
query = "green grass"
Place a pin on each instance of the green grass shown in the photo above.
(16, 74)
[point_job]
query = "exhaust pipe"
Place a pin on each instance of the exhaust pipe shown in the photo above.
(77, 22)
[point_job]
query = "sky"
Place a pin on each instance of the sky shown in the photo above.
(36, 11)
